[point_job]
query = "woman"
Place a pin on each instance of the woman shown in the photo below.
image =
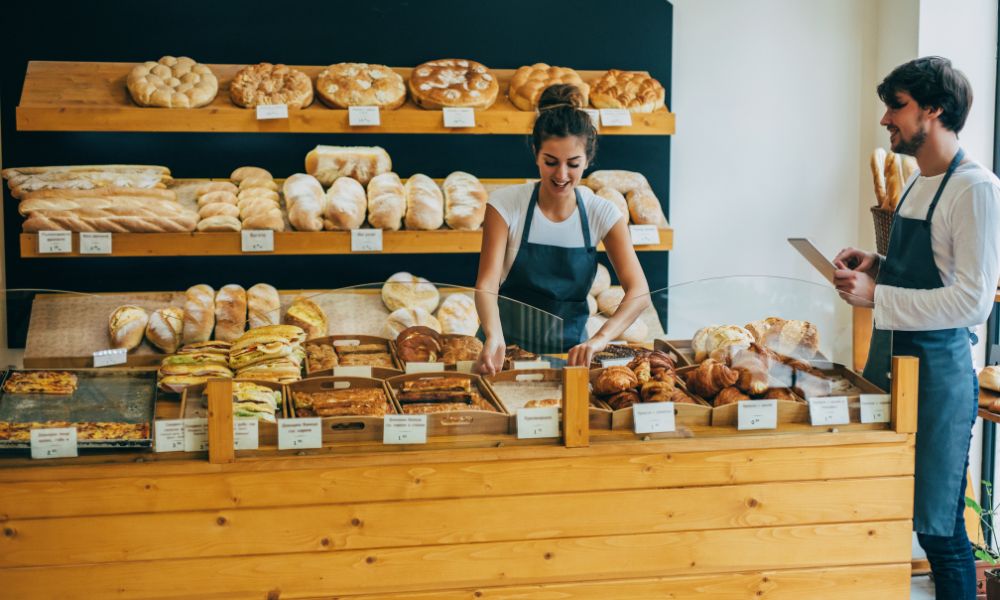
(540, 244)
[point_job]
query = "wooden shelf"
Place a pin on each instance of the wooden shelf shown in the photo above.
(441, 241)
(91, 96)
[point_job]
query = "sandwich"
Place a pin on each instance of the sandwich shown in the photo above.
(280, 370)
(308, 315)
(209, 347)
(254, 400)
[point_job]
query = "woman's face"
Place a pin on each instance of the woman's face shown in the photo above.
(561, 162)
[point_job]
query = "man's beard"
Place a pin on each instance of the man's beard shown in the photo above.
(911, 146)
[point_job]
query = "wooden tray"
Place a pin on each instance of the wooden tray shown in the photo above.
(450, 367)
(853, 398)
(193, 407)
(728, 415)
(679, 350)
(345, 428)
(600, 413)
(685, 415)
(459, 422)
(377, 372)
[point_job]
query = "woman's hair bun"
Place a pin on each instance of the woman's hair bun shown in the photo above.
(560, 94)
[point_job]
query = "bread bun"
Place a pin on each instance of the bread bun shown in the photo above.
(602, 280)
(346, 205)
(247, 172)
(609, 299)
(165, 327)
(126, 325)
(458, 315)
(989, 378)
(409, 317)
(403, 290)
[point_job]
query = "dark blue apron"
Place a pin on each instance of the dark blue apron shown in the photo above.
(553, 279)
(946, 401)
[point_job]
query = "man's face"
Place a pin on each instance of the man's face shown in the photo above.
(906, 124)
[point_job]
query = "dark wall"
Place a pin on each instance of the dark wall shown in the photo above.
(500, 35)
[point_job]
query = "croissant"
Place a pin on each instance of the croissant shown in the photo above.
(730, 395)
(681, 397)
(710, 377)
(656, 391)
(614, 380)
(640, 366)
(659, 362)
(753, 371)
(623, 399)
(779, 394)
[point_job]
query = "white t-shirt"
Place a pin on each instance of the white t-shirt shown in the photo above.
(965, 240)
(512, 204)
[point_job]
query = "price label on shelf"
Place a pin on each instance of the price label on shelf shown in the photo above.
(95, 243)
(245, 434)
(55, 242)
(644, 235)
(595, 116)
(366, 240)
(459, 117)
(298, 434)
(272, 111)
(531, 364)
(257, 240)
(353, 371)
(363, 116)
(829, 411)
(57, 442)
(195, 435)
(465, 366)
(111, 356)
(616, 117)
(756, 414)
(876, 408)
(424, 367)
(615, 362)
(541, 422)
(169, 435)
(404, 429)
(653, 417)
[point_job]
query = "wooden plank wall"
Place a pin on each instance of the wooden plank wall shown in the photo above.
(816, 517)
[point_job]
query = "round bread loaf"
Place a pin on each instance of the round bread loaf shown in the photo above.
(451, 82)
(165, 327)
(609, 299)
(458, 315)
(400, 319)
(343, 85)
(635, 91)
(247, 172)
(172, 83)
(602, 280)
(615, 197)
(528, 83)
(126, 325)
(403, 290)
(271, 84)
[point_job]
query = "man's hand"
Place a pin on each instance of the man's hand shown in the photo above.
(491, 358)
(857, 260)
(857, 288)
(581, 354)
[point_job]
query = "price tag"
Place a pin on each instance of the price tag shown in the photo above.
(245, 434)
(58, 442)
(424, 367)
(404, 429)
(615, 362)
(616, 117)
(465, 366)
(257, 240)
(459, 117)
(595, 116)
(195, 435)
(875, 408)
(653, 417)
(95, 243)
(272, 111)
(363, 116)
(529, 377)
(757, 414)
(541, 422)
(55, 242)
(644, 235)
(111, 356)
(169, 435)
(366, 240)
(338, 343)
(829, 411)
(531, 364)
(353, 371)
(300, 433)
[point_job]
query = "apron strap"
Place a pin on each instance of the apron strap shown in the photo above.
(937, 196)
(584, 221)
(531, 214)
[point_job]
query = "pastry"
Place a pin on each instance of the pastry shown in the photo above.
(403, 290)
(457, 348)
(418, 344)
(372, 359)
(250, 172)
(172, 83)
(615, 379)
(424, 203)
(602, 280)
(640, 366)
(165, 328)
(730, 395)
(798, 339)
(386, 202)
(22, 180)
(453, 82)
(681, 397)
(458, 315)
(609, 299)
(368, 402)
(271, 84)
(623, 399)
(230, 312)
(464, 201)
(41, 382)
(635, 91)
(305, 200)
(657, 391)
(621, 181)
(989, 378)
(320, 357)
(308, 315)
(263, 306)
(779, 394)
(199, 313)
(346, 204)
(644, 208)
(126, 325)
(528, 83)
(327, 163)
(402, 318)
(710, 377)
(661, 366)
(358, 84)
(615, 197)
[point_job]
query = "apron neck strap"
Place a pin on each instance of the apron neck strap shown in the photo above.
(584, 221)
(944, 181)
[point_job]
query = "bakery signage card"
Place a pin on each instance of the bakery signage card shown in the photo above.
(57, 442)
(299, 434)
(257, 240)
(459, 117)
(55, 242)
(465, 366)
(168, 435)
(653, 417)
(876, 408)
(595, 116)
(541, 422)
(531, 364)
(111, 356)
(616, 117)
(363, 116)
(195, 435)
(245, 434)
(756, 414)
(404, 429)
(644, 235)
(829, 411)
(95, 243)
(272, 111)
(615, 362)
(424, 367)
(353, 371)
(366, 240)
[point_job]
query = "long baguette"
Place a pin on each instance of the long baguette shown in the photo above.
(893, 180)
(67, 221)
(125, 207)
(878, 175)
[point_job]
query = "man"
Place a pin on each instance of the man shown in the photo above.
(937, 279)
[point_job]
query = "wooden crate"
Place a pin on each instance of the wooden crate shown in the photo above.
(194, 407)
(451, 367)
(460, 422)
(679, 350)
(685, 415)
(345, 428)
(600, 413)
(349, 339)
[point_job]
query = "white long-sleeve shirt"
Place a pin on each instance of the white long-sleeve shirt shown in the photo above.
(965, 241)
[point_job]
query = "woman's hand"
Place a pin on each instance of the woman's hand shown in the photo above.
(581, 354)
(491, 358)
(857, 260)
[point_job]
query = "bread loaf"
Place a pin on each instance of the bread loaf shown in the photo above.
(622, 181)
(218, 209)
(199, 314)
(465, 201)
(22, 180)
(219, 223)
(615, 197)
(453, 82)
(327, 163)
(989, 378)
(216, 197)
(266, 83)
(263, 305)
(632, 90)
(528, 83)
(172, 83)
(591, 305)
(877, 164)
(257, 193)
(126, 326)
(308, 315)
(216, 186)
(247, 172)
(270, 218)
(230, 312)
(165, 328)
(386, 202)
(409, 317)
(644, 208)
(403, 290)
(708, 341)
(424, 203)
(609, 299)
(345, 205)
(602, 280)
(636, 333)
(358, 84)
(49, 221)
(458, 315)
(304, 199)
(795, 338)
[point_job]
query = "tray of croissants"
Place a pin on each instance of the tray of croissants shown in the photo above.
(536, 388)
(350, 408)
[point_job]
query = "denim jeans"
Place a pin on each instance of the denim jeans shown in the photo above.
(952, 562)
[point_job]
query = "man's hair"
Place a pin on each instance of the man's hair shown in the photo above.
(933, 83)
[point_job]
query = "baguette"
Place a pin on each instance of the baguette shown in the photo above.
(22, 180)
(38, 221)
(878, 175)
(893, 180)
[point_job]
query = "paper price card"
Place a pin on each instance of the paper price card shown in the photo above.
(272, 111)
(95, 243)
(111, 356)
(644, 235)
(257, 240)
(465, 366)
(363, 116)
(876, 408)
(55, 242)
(615, 362)
(459, 117)
(404, 429)
(653, 417)
(245, 434)
(366, 240)
(595, 116)
(542, 422)
(353, 371)
(531, 364)
(169, 435)
(195, 435)
(756, 414)
(298, 434)
(58, 442)
(829, 411)
(616, 117)
(424, 367)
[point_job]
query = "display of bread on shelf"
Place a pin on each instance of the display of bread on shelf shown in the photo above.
(343, 85)
(265, 83)
(21, 180)
(172, 82)
(631, 90)
(529, 81)
(452, 82)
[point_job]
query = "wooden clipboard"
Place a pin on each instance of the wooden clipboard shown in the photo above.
(816, 258)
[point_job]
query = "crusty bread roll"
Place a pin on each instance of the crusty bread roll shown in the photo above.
(592, 305)
(424, 203)
(308, 315)
(249, 206)
(616, 198)
(386, 201)
(989, 378)
(257, 193)
(644, 208)
(304, 199)
(403, 290)
(230, 312)
(263, 305)
(409, 317)
(126, 326)
(609, 299)
(464, 201)
(602, 280)
(216, 186)
(219, 223)
(265, 219)
(710, 341)
(327, 163)
(345, 205)
(199, 313)
(218, 209)
(623, 181)
(458, 315)
(165, 328)
(251, 183)
(247, 172)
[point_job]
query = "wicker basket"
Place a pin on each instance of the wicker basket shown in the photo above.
(883, 225)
